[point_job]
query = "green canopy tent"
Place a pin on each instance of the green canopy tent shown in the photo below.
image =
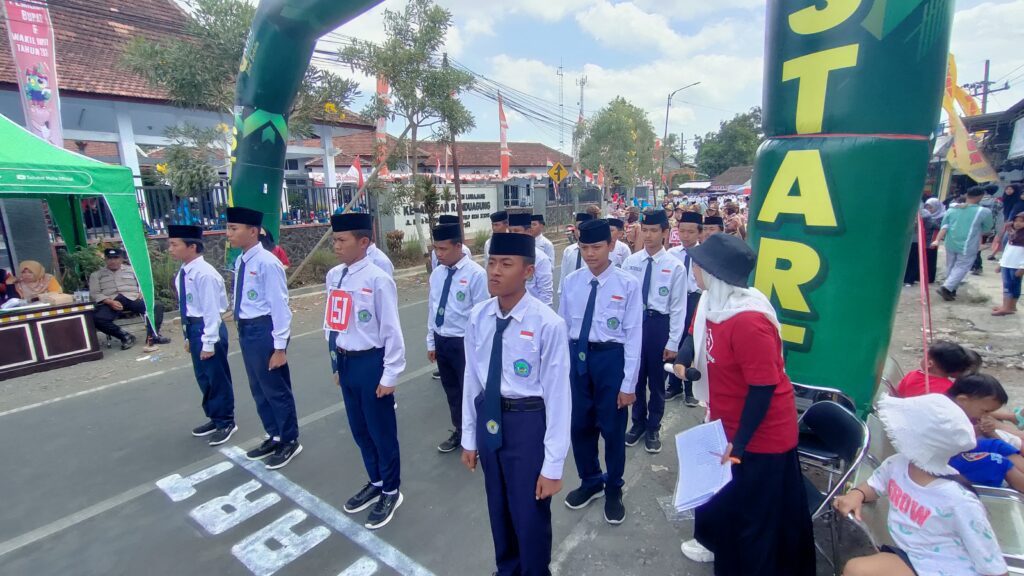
(30, 167)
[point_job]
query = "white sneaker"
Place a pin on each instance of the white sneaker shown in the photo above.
(696, 552)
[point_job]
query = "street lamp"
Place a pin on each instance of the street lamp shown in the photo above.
(664, 141)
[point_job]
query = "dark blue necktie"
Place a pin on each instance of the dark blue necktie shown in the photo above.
(579, 257)
(492, 394)
(239, 285)
(686, 263)
(583, 344)
(443, 302)
(182, 301)
(647, 279)
(334, 335)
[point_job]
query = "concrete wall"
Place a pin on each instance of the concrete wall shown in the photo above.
(478, 202)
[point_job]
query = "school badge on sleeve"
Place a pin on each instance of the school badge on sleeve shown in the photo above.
(460, 296)
(492, 426)
(663, 290)
(522, 368)
(613, 323)
(251, 294)
(364, 316)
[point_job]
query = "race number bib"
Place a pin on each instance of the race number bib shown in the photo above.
(339, 311)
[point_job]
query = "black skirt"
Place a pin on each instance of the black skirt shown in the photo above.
(760, 523)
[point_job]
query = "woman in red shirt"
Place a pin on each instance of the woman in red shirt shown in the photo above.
(759, 524)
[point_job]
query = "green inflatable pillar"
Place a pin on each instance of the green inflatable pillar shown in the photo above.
(852, 90)
(277, 53)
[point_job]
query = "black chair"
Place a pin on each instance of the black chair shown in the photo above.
(836, 443)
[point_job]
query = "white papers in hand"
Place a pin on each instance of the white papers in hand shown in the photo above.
(701, 472)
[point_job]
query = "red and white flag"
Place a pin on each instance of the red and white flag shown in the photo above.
(381, 135)
(505, 154)
(600, 175)
(355, 171)
(550, 163)
(590, 176)
(447, 154)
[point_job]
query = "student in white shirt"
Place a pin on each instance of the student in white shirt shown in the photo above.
(516, 407)
(541, 285)
(380, 259)
(447, 219)
(457, 284)
(499, 225)
(601, 307)
(264, 329)
(367, 356)
(690, 228)
(620, 250)
(572, 260)
(938, 524)
(537, 231)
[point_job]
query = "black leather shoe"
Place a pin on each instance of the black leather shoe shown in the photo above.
(127, 341)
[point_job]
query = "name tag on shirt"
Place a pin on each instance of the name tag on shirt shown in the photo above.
(339, 311)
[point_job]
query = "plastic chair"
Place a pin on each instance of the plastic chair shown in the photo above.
(837, 443)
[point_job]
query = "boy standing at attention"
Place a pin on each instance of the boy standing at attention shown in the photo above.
(367, 356)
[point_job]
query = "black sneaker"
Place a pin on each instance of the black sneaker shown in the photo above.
(268, 447)
(672, 393)
(363, 499)
(436, 375)
(127, 342)
(580, 497)
(284, 454)
(205, 429)
(222, 435)
(691, 402)
(158, 339)
(614, 511)
(652, 443)
(449, 445)
(946, 294)
(633, 435)
(384, 510)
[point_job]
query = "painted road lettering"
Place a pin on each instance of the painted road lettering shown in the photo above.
(225, 512)
(262, 559)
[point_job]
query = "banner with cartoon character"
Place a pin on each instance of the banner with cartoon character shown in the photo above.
(852, 91)
(35, 61)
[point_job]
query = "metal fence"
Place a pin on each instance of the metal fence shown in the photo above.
(160, 207)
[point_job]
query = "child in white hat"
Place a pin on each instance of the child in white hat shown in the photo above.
(937, 522)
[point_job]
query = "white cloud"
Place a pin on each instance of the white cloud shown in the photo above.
(699, 9)
(996, 31)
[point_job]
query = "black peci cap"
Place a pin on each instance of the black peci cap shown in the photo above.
(617, 222)
(113, 253)
(594, 231)
(351, 221)
(519, 219)
(537, 218)
(499, 216)
(692, 218)
(247, 216)
(447, 232)
(654, 218)
(447, 219)
(714, 221)
(583, 217)
(184, 232)
(513, 245)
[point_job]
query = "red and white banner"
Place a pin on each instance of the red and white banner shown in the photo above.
(31, 36)
(600, 175)
(355, 171)
(589, 175)
(505, 154)
(381, 136)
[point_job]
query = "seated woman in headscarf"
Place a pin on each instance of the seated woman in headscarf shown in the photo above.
(759, 523)
(33, 281)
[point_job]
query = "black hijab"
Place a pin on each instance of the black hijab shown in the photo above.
(1011, 202)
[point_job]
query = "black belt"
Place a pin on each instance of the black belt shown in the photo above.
(654, 314)
(193, 321)
(528, 404)
(436, 336)
(358, 353)
(253, 321)
(597, 346)
(697, 292)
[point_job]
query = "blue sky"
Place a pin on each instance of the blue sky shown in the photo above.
(644, 49)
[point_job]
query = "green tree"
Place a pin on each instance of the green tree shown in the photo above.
(621, 138)
(734, 144)
(422, 85)
(188, 168)
(198, 69)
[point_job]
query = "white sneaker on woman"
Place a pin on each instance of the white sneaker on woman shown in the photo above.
(696, 552)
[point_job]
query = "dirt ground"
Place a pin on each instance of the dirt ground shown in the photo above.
(969, 322)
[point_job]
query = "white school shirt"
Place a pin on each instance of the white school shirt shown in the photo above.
(942, 527)
(541, 285)
(487, 250)
(373, 316)
(620, 252)
(691, 281)
(205, 298)
(534, 362)
(378, 257)
(468, 288)
(265, 292)
(433, 256)
(569, 263)
(546, 246)
(618, 314)
(667, 291)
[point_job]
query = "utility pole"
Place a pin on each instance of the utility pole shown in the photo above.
(983, 88)
(561, 109)
(581, 82)
(664, 141)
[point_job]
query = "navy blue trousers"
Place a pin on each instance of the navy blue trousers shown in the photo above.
(213, 375)
(451, 363)
(647, 412)
(674, 383)
(520, 524)
(595, 413)
(372, 420)
(271, 389)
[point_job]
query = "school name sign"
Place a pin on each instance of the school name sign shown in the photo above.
(852, 90)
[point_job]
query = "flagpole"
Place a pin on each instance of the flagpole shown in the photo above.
(458, 189)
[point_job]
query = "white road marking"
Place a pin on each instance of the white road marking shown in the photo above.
(362, 567)
(178, 488)
(150, 375)
(263, 560)
(84, 514)
(331, 516)
(223, 513)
